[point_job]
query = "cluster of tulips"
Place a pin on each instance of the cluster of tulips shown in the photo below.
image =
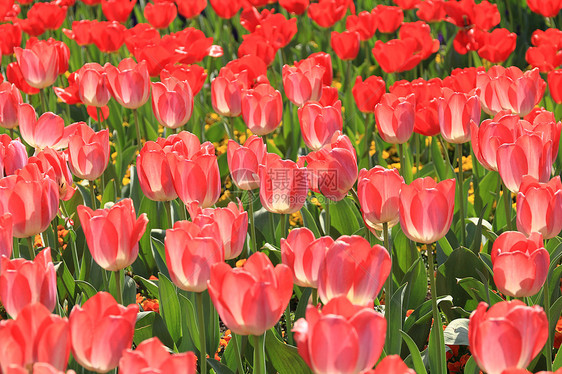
(299, 184)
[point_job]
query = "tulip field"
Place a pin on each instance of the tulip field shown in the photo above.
(280, 186)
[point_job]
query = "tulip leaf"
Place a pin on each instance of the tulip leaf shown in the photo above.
(344, 217)
(555, 311)
(159, 253)
(303, 303)
(190, 328)
(416, 289)
(471, 367)
(557, 364)
(477, 290)
(436, 344)
(443, 170)
(309, 222)
(170, 306)
(395, 320)
(150, 324)
(417, 360)
(65, 283)
(284, 357)
(218, 367)
(456, 332)
(485, 193)
(87, 288)
(151, 286)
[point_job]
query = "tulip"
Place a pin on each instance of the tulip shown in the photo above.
(232, 226)
(152, 355)
(88, 152)
(38, 368)
(13, 155)
(294, 6)
(396, 55)
(129, 82)
(283, 185)
(35, 336)
(431, 10)
(108, 36)
(304, 254)
(15, 76)
(24, 282)
(49, 15)
(457, 111)
(226, 8)
(10, 100)
(113, 234)
(80, 32)
(368, 93)
(388, 18)
(341, 338)
(47, 131)
(226, 95)
(6, 235)
(54, 165)
(542, 122)
(262, 109)
(11, 38)
(326, 13)
(507, 336)
(190, 253)
(378, 190)
(244, 161)
(319, 58)
(319, 123)
(93, 85)
(395, 118)
(154, 173)
(160, 15)
(31, 198)
(191, 8)
(345, 44)
(117, 10)
(496, 46)
(391, 364)
(39, 63)
(365, 23)
(539, 207)
(172, 102)
(546, 8)
(555, 85)
(426, 209)
(193, 75)
(251, 299)
(303, 83)
(95, 324)
(520, 264)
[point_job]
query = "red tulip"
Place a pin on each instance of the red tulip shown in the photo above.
(93, 86)
(342, 338)
(319, 58)
(24, 282)
(193, 75)
(539, 207)
(88, 152)
(345, 44)
(35, 336)
(457, 112)
(555, 85)
(152, 355)
(129, 83)
(294, 6)
(10, 99)
(354, 269)
(81, 32)
(15, 76)
(520, 265)
(113, 234)
(160, 15)
(154, 173)
(54, 165)
(262, 109)
(391, 364)
(117, 10)
(396, 55)
(47, 131)
(172, 102)
(528, 155)
(97, 323)
(283, 185)
(420, 32)
(367, 94)
(507, 336)
(11, 38)
(542, 122)
(426, 209)
(389, 18)
(244, 161)
(31, 198)
(251, 299)
(546, 57)
(496, 46)
(395, 118)
(39, 63)
(226, 95)
(226, 8)
(431, 10)
(108, 36)
(190, 253)
(303, 83)
(191, 8)
(304, 254)
(378, 190)
(546, 8)
(256, 44)
(365, 23)
(319, 124)
(231, 226)
(49, 15)
(327, 12)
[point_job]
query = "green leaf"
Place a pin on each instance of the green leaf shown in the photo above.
(477, 290)
(557, 364)
(170, 307)
(190, 330)
(87, 288)
(284, 358)
(436, 345)
(419, 367)
(65, 283)
(310, 222)
(159, 253)
(393, 342)
(150, 324)
(471, 367)
(344, 217)
(218, 367)
(148, 284)
(303, 303)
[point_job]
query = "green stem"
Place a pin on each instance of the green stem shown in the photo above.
(55, 245)
(548, 346)
(314, 296)
(202, 339)
(43, 100)
(16, 248)
(289, 324)
(434, 305)
(283, 233)
(182, 213)
(368, 137)
(507, 206)
(237, 354)
(118, 287)
(253, 247)
(418, 154)
(347, 76)
(388, 282)
(100, 119)
(259, 354)
(461, 196)
(403, 163)
(168, 207)
(231, 128)
(30, 249)
(328, 221)
(137, 129)
(92, 195)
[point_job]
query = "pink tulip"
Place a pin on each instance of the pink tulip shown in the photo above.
(39, 63)
(24, 282)
(129, 83)
(304, 254)
(507, 336)
(378, 190)
(151, 355)
(35, 336)
(10, 99)
(6, 235)
(539, 207)
(88, 152)
(154, 173)
(520, 265)
(303, 83)
(392, 364)
(54, 165)
(31, 198)
(528, 155)
(172, 102)
(113, 234)
(283, 185)
(47, 131)
(542, 122)
(38, 368)
(13, 155)
(93, 86)
(426, 209)
(395, 118)
(251, 299)
(341, 338)
(190, 253)
(262, 109)
(457, 111)
(232, 224)
(101, 330)
(226, 95)
(244, 161)
(319, 123)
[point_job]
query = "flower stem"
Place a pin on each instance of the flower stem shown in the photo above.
(507, 206)
(435, 309)
(461, 196)
(253, 247)
(43, 100)
(92, 194)
(137, 128)
(202, 339)
(237, 354)
(30, 248)
(118, 287)
(328, 220)
(259, 354)
(168, 207)
(548, 346)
